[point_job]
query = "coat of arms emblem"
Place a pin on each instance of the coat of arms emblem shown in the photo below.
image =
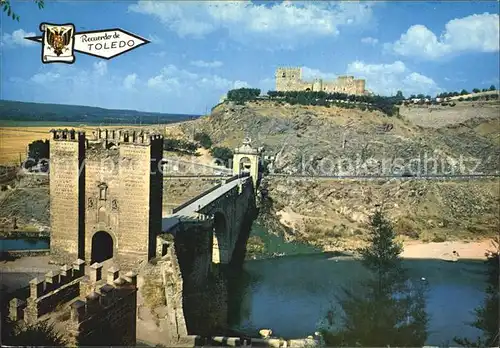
(58, 43)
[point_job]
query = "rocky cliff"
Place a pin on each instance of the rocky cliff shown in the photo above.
(330, 141)
(333, 214)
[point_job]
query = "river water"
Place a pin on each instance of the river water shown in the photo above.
(23, 244)
(292, 294)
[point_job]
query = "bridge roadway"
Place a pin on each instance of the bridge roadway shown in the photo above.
(347, 177)
(190, 211)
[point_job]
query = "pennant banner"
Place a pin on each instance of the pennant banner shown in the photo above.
(59, 42)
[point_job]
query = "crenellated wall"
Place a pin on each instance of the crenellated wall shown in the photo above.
(100, 310)
(290, 79)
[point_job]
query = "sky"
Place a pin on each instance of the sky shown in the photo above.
(200, 50)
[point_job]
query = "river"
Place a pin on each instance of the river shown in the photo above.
(292, 294)
(23, 244)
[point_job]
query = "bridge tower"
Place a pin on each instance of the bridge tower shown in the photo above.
(246, 159)
(105, 195)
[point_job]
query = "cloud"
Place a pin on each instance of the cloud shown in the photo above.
(176, 80)
(159, 54)
(387, 79)
(286, 24)
(369, 41)
(17, 38)
(311, 74)
(170, 89)
(474, 33)
(101, 68)
(267, 84)
(155, 39)
(203, 64)
(129, 81)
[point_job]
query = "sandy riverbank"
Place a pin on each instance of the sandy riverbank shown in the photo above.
(465, 250)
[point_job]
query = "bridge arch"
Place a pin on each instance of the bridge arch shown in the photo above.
(245, 165)
(220, 244)
(102, 248)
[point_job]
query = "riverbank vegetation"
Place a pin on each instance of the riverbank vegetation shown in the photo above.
(488, 314)
(387, 309)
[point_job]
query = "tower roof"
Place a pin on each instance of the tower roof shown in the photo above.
(247, 148)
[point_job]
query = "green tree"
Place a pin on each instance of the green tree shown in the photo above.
(382, 253)
(476, 90)
(493, 88)
(203, 139)
(241, 95)
(37, 150)
(464, 92)
(385, 310)
(41, 334)
(487, 315)
(7, 8)
(223, 154)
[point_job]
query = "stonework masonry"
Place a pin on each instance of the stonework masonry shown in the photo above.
(92, 309)
(290, 79)
(105, 192)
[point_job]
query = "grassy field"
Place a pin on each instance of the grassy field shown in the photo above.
(15, 139)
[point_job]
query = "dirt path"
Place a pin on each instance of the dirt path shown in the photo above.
(465, 250)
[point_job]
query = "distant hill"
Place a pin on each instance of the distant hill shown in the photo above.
(22, 111)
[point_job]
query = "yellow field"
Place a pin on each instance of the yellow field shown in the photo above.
(14, 140)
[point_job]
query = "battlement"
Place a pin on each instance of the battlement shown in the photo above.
(70, 284)
(345, 77)
(126, 136)
(67, 134)
(289, 72)
(98, 294)
(290, 79)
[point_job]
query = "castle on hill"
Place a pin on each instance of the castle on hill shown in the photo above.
(290, 79)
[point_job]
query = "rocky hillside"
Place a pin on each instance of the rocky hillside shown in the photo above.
(331, 141)
(333, 214)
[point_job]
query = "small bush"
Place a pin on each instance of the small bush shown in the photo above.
(439, 239)
(223, 154)
(203, 139)
(406, 227)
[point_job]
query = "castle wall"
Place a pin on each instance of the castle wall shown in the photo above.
(119, 192)
(85, 309)
(66, 216)
(290, 79)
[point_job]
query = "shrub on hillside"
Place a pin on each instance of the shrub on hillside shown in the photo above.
(179, 145)
(222, 154)
(241, 95)
(203, 139)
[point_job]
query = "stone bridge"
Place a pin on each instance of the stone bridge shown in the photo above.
(224, 207)
(106, 194)
(209, 234)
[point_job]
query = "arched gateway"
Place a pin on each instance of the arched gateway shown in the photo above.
(102, 247)
(105, 195)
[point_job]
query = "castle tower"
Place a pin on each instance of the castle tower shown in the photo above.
(67, 194)
(116, 201)
(246, 160)
(288, 79)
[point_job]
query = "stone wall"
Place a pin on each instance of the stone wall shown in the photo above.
(67, 152)
(290, 79)
(84, 309)
(33, 179)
